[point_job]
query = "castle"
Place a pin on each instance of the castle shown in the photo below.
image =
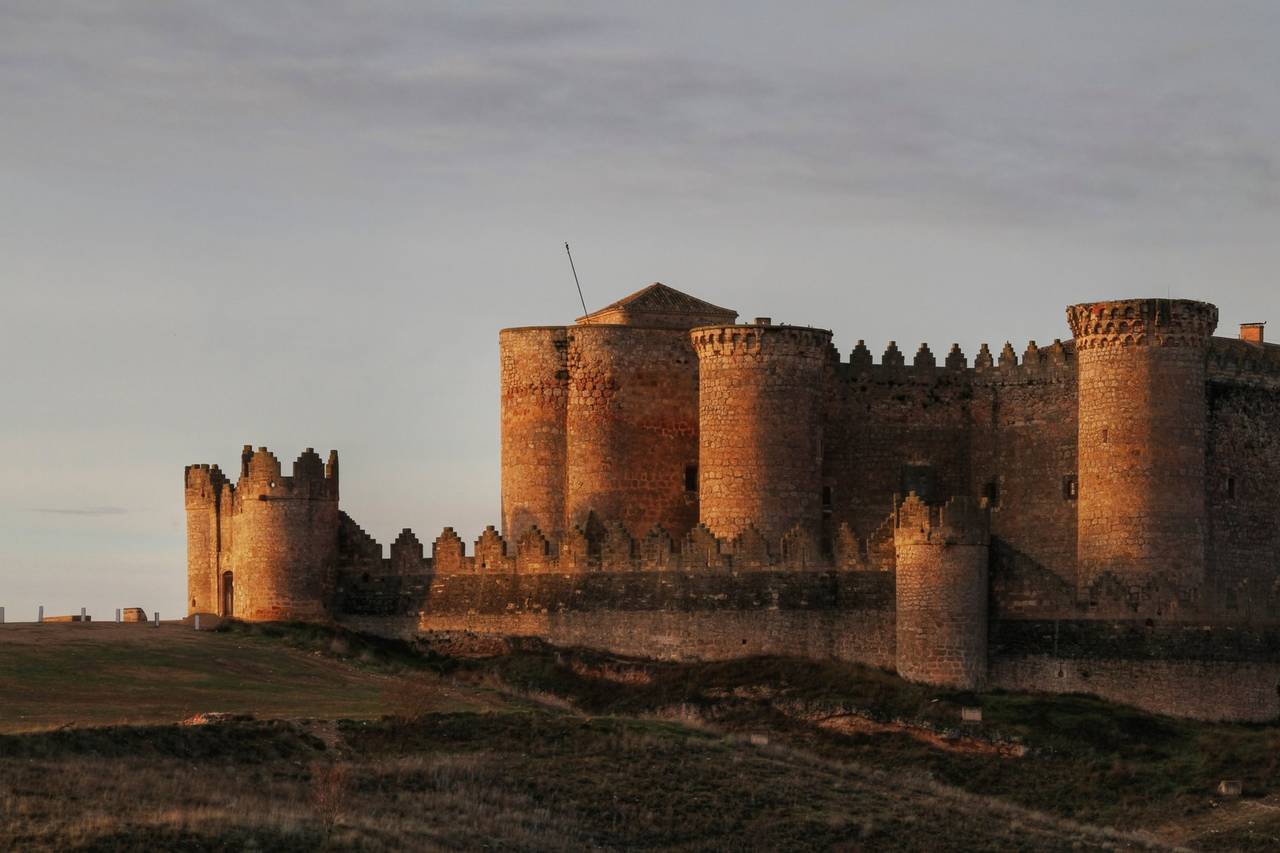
(1099, 515)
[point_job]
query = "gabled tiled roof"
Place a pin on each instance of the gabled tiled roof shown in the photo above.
(659, 301)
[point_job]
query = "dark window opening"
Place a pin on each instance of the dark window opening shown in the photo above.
(365, 577)
(920, 478)
(826, 498)
(1070, 487)
(1104, 435)
(991, 491)
(691, 478)
(1231, 488)
(228, 595)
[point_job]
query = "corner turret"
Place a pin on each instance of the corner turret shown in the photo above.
(265, 549)
(1142, 438)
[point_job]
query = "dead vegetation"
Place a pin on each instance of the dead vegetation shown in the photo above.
(545, 749)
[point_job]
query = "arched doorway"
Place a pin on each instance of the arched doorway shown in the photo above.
(228, 595)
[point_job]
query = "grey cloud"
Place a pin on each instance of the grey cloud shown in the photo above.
(462, 90)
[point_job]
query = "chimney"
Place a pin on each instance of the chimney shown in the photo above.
(762, 321)
(1251, 333)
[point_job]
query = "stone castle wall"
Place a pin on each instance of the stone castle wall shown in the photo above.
(677, 485)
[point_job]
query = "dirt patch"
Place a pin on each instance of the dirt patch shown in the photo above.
(948, 741)
(618, 674)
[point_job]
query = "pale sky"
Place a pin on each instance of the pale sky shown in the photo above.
(302, 224)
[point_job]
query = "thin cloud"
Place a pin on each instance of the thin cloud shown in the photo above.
(80, 510)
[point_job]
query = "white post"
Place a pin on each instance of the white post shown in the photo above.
(117, 615)
(82, 614)
(197, 618)
(157, 622)
(40, 616)
(1, 615)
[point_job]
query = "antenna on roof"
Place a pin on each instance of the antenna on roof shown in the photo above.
(575, 279)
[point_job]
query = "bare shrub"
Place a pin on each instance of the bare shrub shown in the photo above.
(330, 784)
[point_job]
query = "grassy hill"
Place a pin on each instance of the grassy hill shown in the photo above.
(360, 743)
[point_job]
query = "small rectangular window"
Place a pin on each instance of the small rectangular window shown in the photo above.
(1231, 488)
(691, 478)
(826, 498)
(1070, 487)
(991, 491)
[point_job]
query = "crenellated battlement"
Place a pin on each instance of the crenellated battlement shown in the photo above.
(960, 521)
(204, 485)
(1037, 364)
(1142, 322)
(761, 341)
(605, 547)
(261, 476)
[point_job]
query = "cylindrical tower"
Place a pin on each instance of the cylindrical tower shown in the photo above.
(203, 487)
(760, 399)
(283, 564)
(1142, 435)
(632, 424)
(942, 558)
(535, 395)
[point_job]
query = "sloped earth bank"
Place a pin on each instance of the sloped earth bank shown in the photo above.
(521, 746)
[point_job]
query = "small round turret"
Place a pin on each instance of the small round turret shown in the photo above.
(942, 558)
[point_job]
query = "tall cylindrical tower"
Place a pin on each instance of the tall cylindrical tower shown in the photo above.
(942, 579)
(535, 396)
(632, 426)
(1142, 435)
(760, 399)
(283, 563)
(203, 487)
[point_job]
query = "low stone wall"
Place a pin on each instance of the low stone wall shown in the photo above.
(860, 636)
(665, 615)
(1206, 671)
(1205, 690)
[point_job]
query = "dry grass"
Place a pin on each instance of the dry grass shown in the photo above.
(528, 781)
(542, 749)
(107, 674)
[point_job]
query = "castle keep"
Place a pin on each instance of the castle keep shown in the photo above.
(1099, 515)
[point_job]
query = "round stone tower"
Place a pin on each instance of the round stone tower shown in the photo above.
(284, 540)
(535, 396)
(204, 487)
(760, 421)
(1142, 436)
(632, 426)
(942, 558)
